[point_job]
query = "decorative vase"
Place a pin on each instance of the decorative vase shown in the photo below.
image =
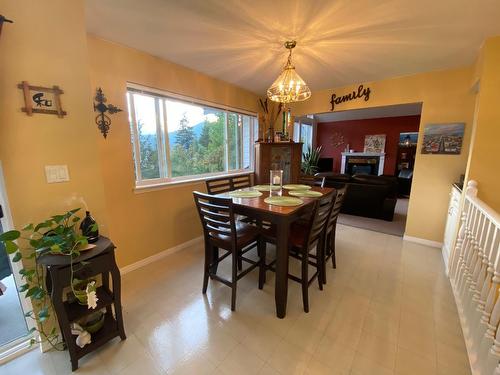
(93, 322)
(89, 228)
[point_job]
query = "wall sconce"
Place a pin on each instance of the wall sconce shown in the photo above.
(2, 20)
(102, 120)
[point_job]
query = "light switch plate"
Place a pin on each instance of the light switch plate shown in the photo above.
(56, 173)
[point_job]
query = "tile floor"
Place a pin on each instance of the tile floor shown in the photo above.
(387, 309)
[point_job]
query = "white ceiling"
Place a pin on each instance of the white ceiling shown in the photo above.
(373, 112)
(338, 42)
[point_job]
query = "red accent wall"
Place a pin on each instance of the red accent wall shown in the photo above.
(354, 132)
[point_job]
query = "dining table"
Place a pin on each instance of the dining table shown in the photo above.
(282, 217)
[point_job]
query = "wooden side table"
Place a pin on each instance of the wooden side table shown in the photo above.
(99, 261)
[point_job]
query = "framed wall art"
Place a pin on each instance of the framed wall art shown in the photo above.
(39, 99)
(443, 139)
(375, 143)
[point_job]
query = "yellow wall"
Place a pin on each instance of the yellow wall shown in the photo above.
(446, 97)
(483, 165)
(102, 170)
(147, 223)
(47, 46)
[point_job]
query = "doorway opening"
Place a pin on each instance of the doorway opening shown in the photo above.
(372, 152)
(14, 328)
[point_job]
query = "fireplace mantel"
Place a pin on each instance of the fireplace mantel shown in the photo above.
(379, 155)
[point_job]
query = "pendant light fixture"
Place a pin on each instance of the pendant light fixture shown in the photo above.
(289, 87)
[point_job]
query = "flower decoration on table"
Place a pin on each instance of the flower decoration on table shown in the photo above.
(83, 337)
(56, 235)
(91, 295)
(85, 327)
(85, 292)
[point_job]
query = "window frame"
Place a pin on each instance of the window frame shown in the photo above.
(163, 145)
(297, 133)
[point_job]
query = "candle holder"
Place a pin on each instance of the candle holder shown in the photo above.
(276, 181)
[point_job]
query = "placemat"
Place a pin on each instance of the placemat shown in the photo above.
(245, 194)
(283, 201)
(305, 193)
(265, 187)
(296, 187)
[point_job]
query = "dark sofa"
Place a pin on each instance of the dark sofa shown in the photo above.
(366, 195)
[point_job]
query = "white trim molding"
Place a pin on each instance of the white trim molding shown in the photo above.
(423, 241)
(379, 155)
(162, 254)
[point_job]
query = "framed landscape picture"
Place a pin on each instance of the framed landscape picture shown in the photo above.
(444, 139)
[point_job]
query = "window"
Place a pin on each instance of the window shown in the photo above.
(176, 139)
(303, 132)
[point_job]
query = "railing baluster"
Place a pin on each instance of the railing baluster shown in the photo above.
(472, 293)
(469, 252)
(482, 313)
(474, 271)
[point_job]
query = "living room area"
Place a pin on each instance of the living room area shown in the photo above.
(372, 152)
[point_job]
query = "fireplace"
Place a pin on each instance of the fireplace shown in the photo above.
(363, 163)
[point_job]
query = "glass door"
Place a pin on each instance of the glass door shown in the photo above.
(303, 131)
(14, 330)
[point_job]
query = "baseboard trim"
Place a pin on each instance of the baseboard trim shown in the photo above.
(153, 258)
(423, 241)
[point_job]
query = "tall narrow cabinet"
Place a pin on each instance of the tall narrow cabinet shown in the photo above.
(286, 156)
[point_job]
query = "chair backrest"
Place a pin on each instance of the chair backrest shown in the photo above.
(240, 182)
(337, 205)
(228, 183)
(219, 185)
(216, 215)
(319, 218)
(312, 180)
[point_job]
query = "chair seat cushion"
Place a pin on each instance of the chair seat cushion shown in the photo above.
(245, 234)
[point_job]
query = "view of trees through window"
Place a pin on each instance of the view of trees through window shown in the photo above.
(174, 139)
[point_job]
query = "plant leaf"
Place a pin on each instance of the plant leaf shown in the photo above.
(11, 247)
(43, 314)
(55, 248)
(23, 288)
(11, 235)
(28, 227)
(17, 257)
(35, 292)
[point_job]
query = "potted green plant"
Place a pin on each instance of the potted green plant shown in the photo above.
(310, 160)
(56, 235)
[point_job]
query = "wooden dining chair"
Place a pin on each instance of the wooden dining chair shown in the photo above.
(241, 182)
(306, 243)
(332, 228)
(222, 231)
(228, 183)
(312, 180)
(219, 185)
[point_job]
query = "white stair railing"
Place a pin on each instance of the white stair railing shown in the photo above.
(474, 271)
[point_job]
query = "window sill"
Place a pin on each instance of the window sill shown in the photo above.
(191, 181)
